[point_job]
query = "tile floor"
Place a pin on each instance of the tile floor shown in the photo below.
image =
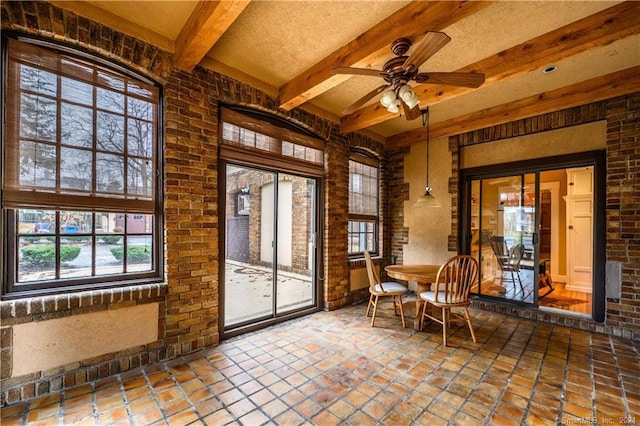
(333, 368)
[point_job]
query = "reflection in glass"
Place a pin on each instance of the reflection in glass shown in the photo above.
(110, 132)
(109, 173)
(37, 164)
(37, 80)
(139, 177)
(38, 117)
(75, 168)
(140, 138)
(140, 109)
(502, 227)
(77, 126)
(110, 101)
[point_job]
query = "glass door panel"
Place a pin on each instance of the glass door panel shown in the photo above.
(270, 224)
(555, 233)
(503, 221)
(248, 282)
(295, 260)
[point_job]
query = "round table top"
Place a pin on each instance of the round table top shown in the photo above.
(416, 273)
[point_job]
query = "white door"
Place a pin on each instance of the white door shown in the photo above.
(580, 229)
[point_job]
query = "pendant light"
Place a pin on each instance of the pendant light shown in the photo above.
(427, 200)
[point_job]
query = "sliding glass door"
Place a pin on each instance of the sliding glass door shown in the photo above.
(533, 235)
(270, 250)
(503, 225)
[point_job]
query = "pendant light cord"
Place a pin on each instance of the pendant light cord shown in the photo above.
(425, 121)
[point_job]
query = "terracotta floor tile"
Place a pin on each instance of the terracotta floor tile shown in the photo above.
(112, 416)
(147, 417)
(274, 408)
(334, 368)
(308, 408)
(361, 419)
(204, 408)
(325, 418)
(255, 417)
(241, 407)
(175, 406)
(74, 416)
(220, 417)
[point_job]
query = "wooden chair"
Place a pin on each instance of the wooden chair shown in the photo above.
(508, 260)
(451, 290)
(379, 289)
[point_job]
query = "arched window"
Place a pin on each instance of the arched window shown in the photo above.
(81, 188)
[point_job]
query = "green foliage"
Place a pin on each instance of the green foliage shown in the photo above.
(135, 254)
(31, 239)
(77, 239)
(110, 239)
(45, 256)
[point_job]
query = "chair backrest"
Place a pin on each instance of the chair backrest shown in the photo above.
(455, 278)
(499, 247)
(516, 255)
(374, 278)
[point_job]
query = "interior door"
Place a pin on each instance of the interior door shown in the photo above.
(580, 229)
(270, 228)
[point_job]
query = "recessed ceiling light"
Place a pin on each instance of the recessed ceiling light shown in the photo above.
(550, 68)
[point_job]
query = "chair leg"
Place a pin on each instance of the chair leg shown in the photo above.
(520, 282)
(467, 316)
(422, 309)
(444, 326)
(404, 325)
(375, 308)
(370, 303)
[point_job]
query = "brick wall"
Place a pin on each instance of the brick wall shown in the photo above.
(623, 208)
(188, 301)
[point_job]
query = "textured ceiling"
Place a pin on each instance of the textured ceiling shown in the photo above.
(275, 42)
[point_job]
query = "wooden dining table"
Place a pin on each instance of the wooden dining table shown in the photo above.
(422, 275)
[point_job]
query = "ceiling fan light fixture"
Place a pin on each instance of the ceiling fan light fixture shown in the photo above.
(412, 102)
(408, 96)
(388, 98)
(406, 92)
(394, 108)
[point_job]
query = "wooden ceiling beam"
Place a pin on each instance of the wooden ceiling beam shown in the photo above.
(208, 21)
(423, 16)
(597, 30)
(597, 89)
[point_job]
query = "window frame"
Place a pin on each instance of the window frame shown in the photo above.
(366, 158)
(59, 200)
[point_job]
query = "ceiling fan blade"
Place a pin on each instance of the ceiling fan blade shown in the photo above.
(358, 71)
(464, 79)
(363, 100)
(411, 113)
(425, 48)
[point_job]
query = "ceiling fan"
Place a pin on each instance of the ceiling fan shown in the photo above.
(400, 70)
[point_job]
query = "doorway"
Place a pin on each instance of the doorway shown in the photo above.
(270, 252)
(533, 233)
